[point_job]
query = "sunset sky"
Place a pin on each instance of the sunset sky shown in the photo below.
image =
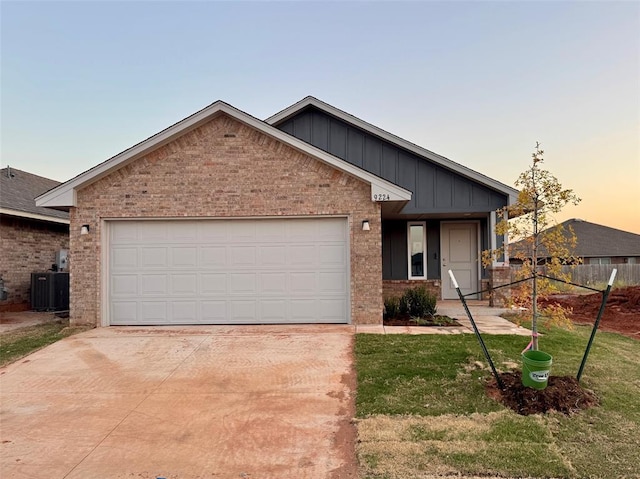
(478, 82)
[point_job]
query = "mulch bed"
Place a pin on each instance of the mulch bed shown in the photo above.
(621, 314)
(562, 394)
(440, 321)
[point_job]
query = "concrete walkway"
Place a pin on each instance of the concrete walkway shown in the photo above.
(487, 320)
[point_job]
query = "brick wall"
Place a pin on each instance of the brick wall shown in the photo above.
(26, 247)
(226, 169)
(396, 287)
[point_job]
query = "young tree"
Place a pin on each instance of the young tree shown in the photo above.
(531, 221)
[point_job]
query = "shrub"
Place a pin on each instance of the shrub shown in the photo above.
(391, 307)
(420, 303)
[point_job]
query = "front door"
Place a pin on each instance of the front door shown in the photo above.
(460, 255)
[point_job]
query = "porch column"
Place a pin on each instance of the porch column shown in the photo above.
(499, 276)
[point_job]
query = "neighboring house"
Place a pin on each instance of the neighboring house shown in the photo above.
(596, 244)
(30, 235)
(310, 216)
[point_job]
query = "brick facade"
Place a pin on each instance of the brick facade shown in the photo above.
(499, 276)
(396, 287)
(225, 169)
(27, 246)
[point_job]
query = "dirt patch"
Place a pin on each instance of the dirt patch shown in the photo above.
(435, 321)
(346, 435)
(621, 314)
(562, 394)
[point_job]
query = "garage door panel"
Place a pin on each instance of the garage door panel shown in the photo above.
(184, 257)
(124, 258)
(302, 255)
(242, 256)
(124, 312)
(304, 309)
(331, 282)
(153, 257)
(242, 231)
(213, 257)
(213, 284)
(124, 232)
(302, 282)
(331, 310)
(213, 312)
(332, 255)
(272, 255)
(153, 232)
(154, 285)
(273, 283)
(184, 312)
(184, 284)
(242, 310)
(242, 283)
(153, 312)
(228, 271)
(124, 285)
(274, 311)
(188, 233)
(210, 232)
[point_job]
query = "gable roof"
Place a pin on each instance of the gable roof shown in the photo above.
(18, 190)
(64, 195)
(594, 240)
(311, 101)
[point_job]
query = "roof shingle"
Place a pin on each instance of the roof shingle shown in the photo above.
(18, 190)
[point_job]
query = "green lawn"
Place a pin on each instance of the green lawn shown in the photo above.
(422, 409)
(21, 342)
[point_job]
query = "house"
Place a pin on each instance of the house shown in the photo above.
(310, 216)
(595, 244)
(30, 235)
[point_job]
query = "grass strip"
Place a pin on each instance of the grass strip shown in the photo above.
(19, 343)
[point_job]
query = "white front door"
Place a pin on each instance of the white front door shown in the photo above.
(459, 244)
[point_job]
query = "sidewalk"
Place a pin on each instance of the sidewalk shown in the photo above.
(486, 318)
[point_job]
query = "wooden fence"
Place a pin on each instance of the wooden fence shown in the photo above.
(597, 274)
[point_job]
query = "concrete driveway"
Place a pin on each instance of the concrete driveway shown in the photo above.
(251, 402)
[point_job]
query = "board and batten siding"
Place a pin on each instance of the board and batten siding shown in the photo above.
(436, 189)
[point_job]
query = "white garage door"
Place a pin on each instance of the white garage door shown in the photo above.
(228, 271)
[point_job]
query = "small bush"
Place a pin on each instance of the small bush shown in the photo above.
(420, 302)
(391, 307)
(404, 305)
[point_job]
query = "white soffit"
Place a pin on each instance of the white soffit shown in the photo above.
(64, 195)
(396, 140)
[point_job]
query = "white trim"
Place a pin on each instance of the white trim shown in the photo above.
(104, 273)
(105, 244)
(33, 216)
(424, 250)
(64, 195)
(418, 150)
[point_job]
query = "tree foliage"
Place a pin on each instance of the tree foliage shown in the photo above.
(540, 240)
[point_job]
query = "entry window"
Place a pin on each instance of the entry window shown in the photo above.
(417, 249)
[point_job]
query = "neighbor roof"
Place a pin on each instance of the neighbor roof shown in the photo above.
(18, 190)
(594, 240)
(64, 196)
(311, 101)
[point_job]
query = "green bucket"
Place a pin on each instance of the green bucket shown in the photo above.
(535, 369)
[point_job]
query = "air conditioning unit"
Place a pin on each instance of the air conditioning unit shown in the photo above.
(50, 291)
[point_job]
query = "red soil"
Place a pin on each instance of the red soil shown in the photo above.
(621, 314)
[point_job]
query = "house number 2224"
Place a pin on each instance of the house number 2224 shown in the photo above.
(381, 197)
